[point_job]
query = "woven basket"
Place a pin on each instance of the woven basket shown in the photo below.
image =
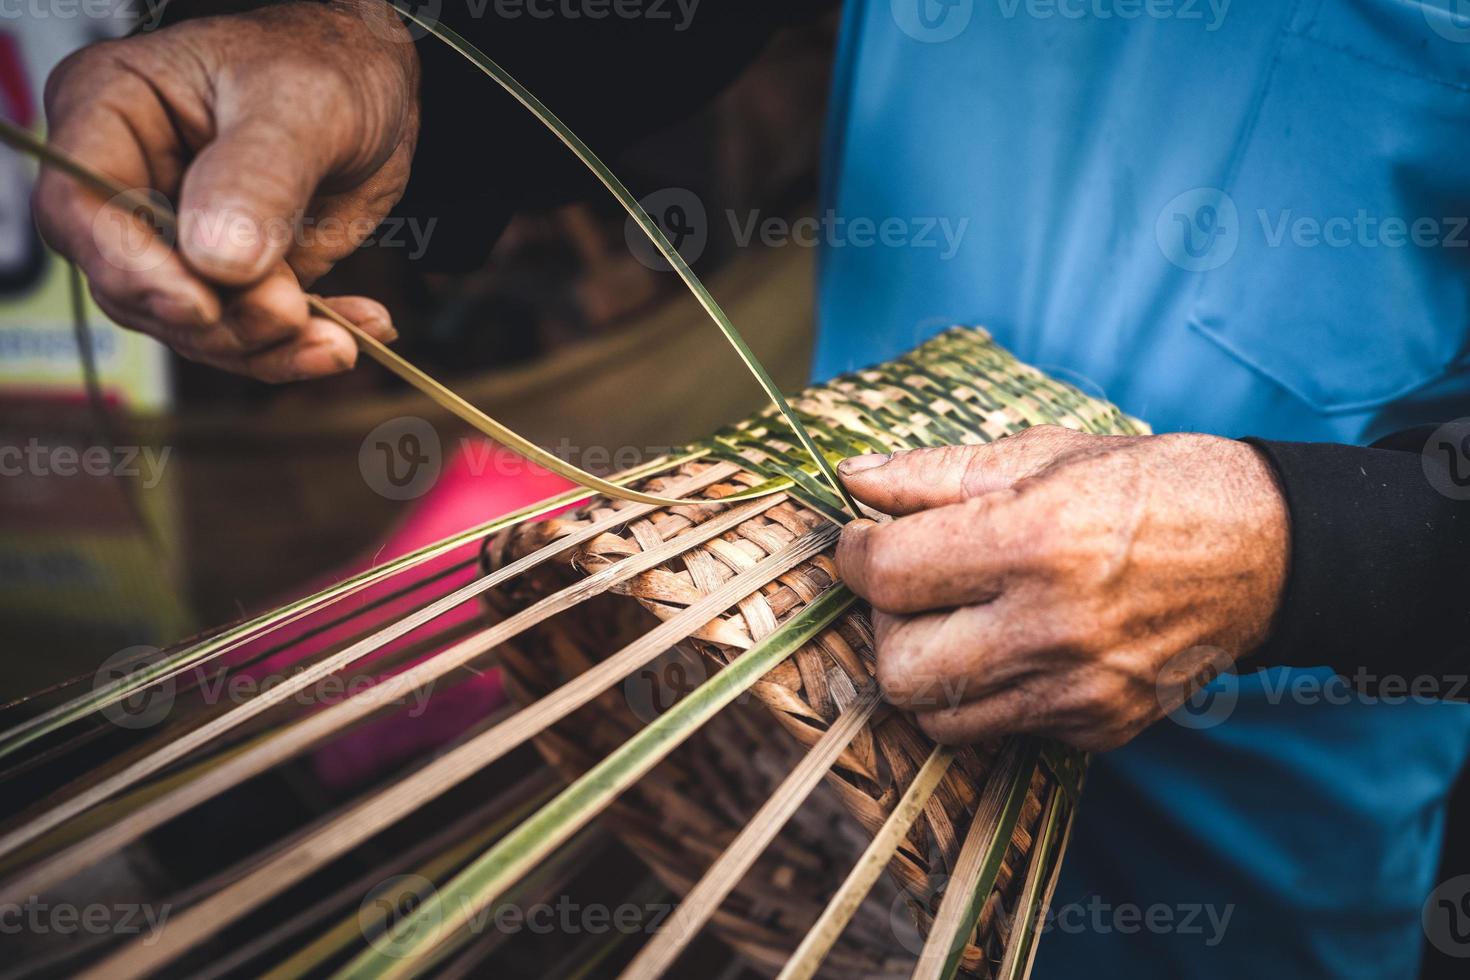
(958, 388)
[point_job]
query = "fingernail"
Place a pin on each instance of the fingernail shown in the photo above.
(858, 464)
(382, 329)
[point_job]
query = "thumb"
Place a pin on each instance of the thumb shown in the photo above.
(919, 479)
(242, 197)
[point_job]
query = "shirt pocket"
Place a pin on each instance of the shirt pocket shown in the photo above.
(1349, 280)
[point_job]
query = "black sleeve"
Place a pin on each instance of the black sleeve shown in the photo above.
(1379, 582)
(613, 78)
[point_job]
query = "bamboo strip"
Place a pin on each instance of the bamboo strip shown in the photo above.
(134, 202)
(478, 885)
(299, 859)
(874, 859)
(649, 228)
(361, 704)
(702, 901)
(429, 858)
(979, 860)
(38, 727)
(1051, 888)
(1031, 903)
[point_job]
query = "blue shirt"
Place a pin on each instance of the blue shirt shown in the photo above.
(1244, 217)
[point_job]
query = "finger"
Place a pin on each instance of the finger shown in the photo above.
(939, 660)
(341, 223)
(276, 310)
(215, 346)
(268, 313)
(242, 197)
(373, 317)
(918, 479)
(1013, 711)
(323, 347)
(127, 136)
(936, 559)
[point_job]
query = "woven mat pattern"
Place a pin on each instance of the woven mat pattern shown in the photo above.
(958, 388)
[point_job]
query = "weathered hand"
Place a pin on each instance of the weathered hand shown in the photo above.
(283, 135)
(1042, 583)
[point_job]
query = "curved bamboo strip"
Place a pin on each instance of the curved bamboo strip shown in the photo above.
(479, 884)
(313, 850)
(379, 695)
(232, 638)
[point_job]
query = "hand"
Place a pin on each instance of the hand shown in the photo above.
(1042, 583)
(251, 123)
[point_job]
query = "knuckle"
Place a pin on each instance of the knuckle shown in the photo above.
(72, 69)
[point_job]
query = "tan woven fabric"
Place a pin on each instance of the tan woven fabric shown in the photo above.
(958, 388)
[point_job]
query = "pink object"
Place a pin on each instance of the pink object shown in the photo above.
(467, 493)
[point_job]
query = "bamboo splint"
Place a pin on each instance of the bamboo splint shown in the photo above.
(778, 844)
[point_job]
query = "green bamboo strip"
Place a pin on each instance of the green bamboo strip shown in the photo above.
(518, 852)
(469, 835)
(649, 227)
(324, 723)
(1051, 888)
(215, 646)
(362, 820)
(136, 202)
(979, 860)
(722, 877)
(1031, 904)
(472, 948)
(875, 858)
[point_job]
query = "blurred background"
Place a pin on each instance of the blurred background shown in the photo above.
(171, 497)
(144, 498)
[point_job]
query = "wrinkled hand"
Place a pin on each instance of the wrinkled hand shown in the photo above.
(283, 135)
(1043, 583)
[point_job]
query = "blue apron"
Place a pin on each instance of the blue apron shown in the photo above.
(1236, 218)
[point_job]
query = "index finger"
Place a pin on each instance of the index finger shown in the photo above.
(936, 559)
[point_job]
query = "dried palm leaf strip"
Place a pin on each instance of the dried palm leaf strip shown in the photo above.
(215, 646)
(702, 900)
(649, 228)
(431, 858)
(979, 860)
(488, 877)
(870, 865)
(299, 859)
(358, 706)
(1036, 892)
